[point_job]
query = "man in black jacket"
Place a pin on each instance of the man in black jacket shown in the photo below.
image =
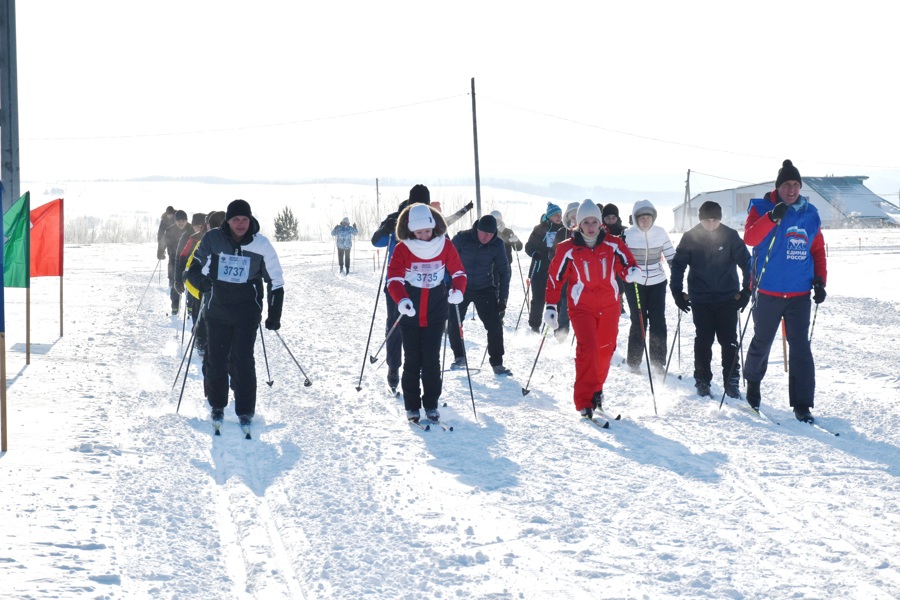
(481, 252)
(713, 252)
(232, 267)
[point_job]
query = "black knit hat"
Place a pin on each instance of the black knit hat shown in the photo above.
(710, 210)
(198, 219)
(487, 224)
(419, 193)
(788, 172)
(610, 209)
(238, 208)
(216, 219)
(180, 215)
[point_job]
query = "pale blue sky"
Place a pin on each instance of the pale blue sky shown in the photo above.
(616, 94)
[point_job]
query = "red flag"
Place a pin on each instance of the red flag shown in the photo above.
(47, 240)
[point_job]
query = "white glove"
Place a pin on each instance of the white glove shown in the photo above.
(455, 296)
(550, 317)
(513, 239)
(406, 307)
(634, 275)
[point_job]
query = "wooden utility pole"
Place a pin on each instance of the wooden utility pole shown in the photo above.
(687, 201)
(9, 105)
(477, 173)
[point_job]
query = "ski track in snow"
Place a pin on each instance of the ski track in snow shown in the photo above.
(338, 497)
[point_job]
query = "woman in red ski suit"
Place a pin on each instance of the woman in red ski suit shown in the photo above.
(589, 262)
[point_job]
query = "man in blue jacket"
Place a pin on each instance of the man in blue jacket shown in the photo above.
(713, 252)
(481, 252)
(788, 261)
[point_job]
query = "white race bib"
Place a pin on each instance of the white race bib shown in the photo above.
(233, 269)
(425, 274)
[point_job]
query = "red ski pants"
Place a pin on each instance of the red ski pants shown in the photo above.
(596, 341)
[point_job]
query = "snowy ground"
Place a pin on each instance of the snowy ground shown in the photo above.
(107, 492)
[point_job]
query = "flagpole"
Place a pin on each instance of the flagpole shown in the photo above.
(2, 391)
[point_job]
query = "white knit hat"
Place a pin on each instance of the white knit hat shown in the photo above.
(588, 209)
(500, 224)
(420, 217)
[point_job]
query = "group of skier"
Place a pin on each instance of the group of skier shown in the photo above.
(582, 264)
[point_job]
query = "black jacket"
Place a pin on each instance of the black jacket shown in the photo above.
(479, 260)
(713, 258)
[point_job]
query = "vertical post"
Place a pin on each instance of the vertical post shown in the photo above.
(9, 109)
(477, 172)
(377, 200)
(687, 201)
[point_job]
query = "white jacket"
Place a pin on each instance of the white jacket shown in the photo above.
(649, 247)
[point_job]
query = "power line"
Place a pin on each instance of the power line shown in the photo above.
(670, 142)
(246, 127)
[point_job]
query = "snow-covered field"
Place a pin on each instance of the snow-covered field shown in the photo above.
(107, 492)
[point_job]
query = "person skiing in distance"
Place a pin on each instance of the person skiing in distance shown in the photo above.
(165, 221)
(416, 282)
(650, 244)
(343, 233)
(712, 254)
(539, 247)
(386, 237)
(589, 262)
(482, 254)
(229, 267)
(173, 240)
(188, 244)
(789, 259)
(614, 226)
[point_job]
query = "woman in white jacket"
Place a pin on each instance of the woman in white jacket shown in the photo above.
(650, 244)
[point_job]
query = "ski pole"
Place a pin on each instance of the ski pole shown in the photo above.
(524, 302)
(306, 383)
(753, 301)
(183, 316)
(184, 381)
(372, 324)
(265, 357)
(184, 356)
(813, 326)
(637, 297)
(521, 276)
(466, 357)
(525, 389)
(148, 285)
(677, 333)
(784, 344)
(374, 357)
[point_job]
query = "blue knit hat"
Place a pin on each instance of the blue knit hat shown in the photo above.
(552, 209)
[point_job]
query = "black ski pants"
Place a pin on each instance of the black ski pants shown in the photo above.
(344, 258)
(485, 302)
(421, 360)
(229, 352)
(767, 317)
(653, 310)
(715, 320)
(538, 293)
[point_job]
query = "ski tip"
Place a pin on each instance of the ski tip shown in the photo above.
(247, 437)
(428, 428)
(217, 432)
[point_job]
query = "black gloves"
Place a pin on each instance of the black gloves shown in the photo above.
(819, 290)
(777, 213)
(161, 254)
(276, 300)
(469, 206)
(681, 301)
(204, 285)
(744, 299)
(501, 304)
